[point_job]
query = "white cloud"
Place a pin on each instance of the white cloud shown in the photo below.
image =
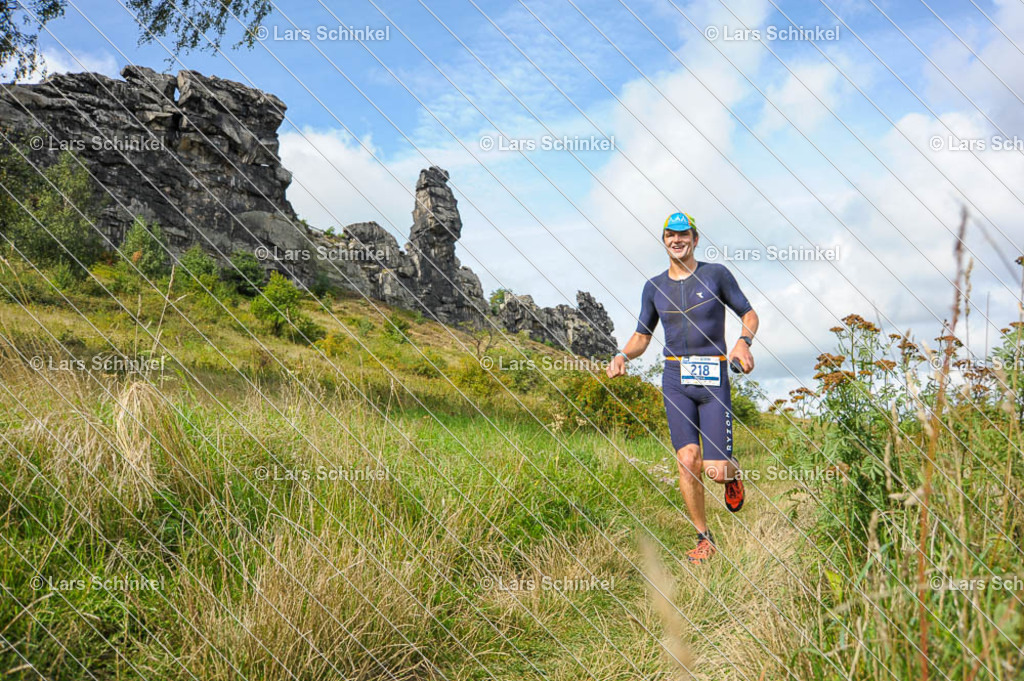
(58, 60)
(797, 98)
(989, 73)
(893, 266)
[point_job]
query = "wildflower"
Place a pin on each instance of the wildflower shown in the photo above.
(827, 361)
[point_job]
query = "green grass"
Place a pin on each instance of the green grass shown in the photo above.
(213, 479)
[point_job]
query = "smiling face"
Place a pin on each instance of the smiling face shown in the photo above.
(680, 244)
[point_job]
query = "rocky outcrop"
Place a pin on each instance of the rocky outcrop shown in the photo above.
(188, 151)
(199, 155)
(445, 285)
(586, 329)
(426, 275)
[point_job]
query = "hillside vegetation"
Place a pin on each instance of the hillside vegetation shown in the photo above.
(210, 475)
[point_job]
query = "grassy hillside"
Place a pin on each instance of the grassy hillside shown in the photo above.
(338, 509)
(379, 496)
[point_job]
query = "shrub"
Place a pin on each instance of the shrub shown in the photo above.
(396, 328)
(64, 275)
(321, 284)
(144, 247)
(305, 330)
(197, 263)
(21, 285)
(52, 220)
(279, 303)
(279, 308)
(431, 364)
(627, 405)
(472, 379)
(523, 374)
(744, 401)
(335, 345)
(363, 326)
(245, 274)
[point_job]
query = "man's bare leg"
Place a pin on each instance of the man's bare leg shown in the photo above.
(721, 471)
(691, 467)
(691, 486)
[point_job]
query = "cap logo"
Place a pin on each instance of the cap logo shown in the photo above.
(680, 222)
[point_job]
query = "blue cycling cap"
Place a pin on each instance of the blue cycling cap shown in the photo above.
(680, 222)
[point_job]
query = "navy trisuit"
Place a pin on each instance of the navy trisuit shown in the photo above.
(693, 312)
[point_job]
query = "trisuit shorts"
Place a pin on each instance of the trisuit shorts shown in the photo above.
(699, 414)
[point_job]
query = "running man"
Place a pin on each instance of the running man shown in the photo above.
(690, 299)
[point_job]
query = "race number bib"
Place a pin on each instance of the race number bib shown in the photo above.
(698, 370)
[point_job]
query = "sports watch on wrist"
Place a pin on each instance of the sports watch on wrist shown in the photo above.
(748, 339)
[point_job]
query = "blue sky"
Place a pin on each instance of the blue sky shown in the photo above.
(767, 142)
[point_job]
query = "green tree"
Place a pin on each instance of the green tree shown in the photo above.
(144, 247)
(279, 303)
(745, 393)
(201, 266)
(200, 24)
(18, 177)
(497, 298)
(52, 222)
(321, 284)
(19, 51)
(246, 273)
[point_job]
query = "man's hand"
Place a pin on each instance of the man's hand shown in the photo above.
(634, 347)
(741, 351)
(617, 367)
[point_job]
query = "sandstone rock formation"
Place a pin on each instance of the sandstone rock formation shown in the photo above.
(190, 162)
(199, 155)
(561, 325)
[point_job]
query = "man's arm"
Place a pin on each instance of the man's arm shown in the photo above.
(741, 350)
(635, 346)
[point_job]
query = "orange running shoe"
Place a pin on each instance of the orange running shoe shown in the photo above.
(703, 551)
(734, 494)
